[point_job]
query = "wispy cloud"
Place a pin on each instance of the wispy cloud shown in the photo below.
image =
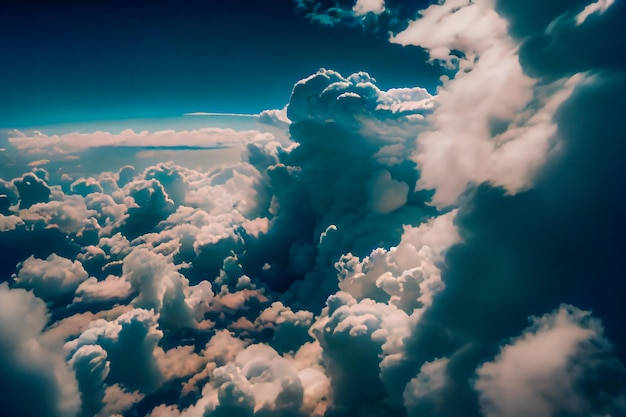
(202, 113)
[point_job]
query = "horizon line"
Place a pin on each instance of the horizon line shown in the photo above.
(202, 113)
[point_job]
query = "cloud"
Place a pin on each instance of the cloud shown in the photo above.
(69, 214)
(31, 366)
(375, 16)
(423, 393)
(50, 278)
(91, 367)
(42, 144)
(363, 7)
(370, 334)
(129, 341)
(112, 289)
(31, 190)
(387, 194)
(254, 381)
(10, 195)
(381, 252)
(599, 6)
(352, 141)
(202, 113)
(329, 97)
(85, 186)
(9, 222)
(534, 255)
(275, 117)
(541, 373)
(159, 287)
(477, 133)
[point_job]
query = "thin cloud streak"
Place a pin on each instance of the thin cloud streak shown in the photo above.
(202, 113)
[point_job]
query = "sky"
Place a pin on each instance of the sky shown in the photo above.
(312, 208)
(74, 61)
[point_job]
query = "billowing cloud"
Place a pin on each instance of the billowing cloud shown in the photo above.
(129, 342)
(378, 252)
(31, 366)
(51, 277)
(477, 133)
(31, 190)
(91, 367)
(548, 370)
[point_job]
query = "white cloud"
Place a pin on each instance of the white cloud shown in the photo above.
(424, 387)
(536, 373)
(203, 113)
(130, 341)
(362, 7)
(318, 268)
(51, 277)
(40, 143)
(10, 222)
(408, 275)
(477, 133)
(35, 377)
(69, 214)
(256, 380)
(372, 334)
(159, 286)
(275, 117)
(111, 289)
(91, 367)
(599, 7)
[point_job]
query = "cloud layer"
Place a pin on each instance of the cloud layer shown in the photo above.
(401, 253)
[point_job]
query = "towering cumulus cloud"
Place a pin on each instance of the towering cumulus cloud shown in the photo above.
(376, 252)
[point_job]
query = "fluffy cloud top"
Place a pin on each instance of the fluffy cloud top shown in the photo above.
(368, 6)
(51, 277)
(380, 252)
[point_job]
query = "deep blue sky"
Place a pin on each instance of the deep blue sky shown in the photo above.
(73, 61)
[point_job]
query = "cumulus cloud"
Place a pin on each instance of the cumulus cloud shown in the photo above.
(368, 6)
(159, 287)
(130, 342)
(349, 167)
(31, 190)
(370, 334)
(111, 289)
(275, 117)
(91, 367)
(423, 392)
(10, 222)
(32, 366)
(479, 134)
(543, 372)
(380, 252)
(70, 215)
(51, 277)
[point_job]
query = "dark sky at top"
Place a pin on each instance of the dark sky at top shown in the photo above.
(71, 61)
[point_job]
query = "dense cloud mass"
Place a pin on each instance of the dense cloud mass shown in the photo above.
(401, 253)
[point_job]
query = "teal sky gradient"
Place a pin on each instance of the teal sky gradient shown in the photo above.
(107, 60)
